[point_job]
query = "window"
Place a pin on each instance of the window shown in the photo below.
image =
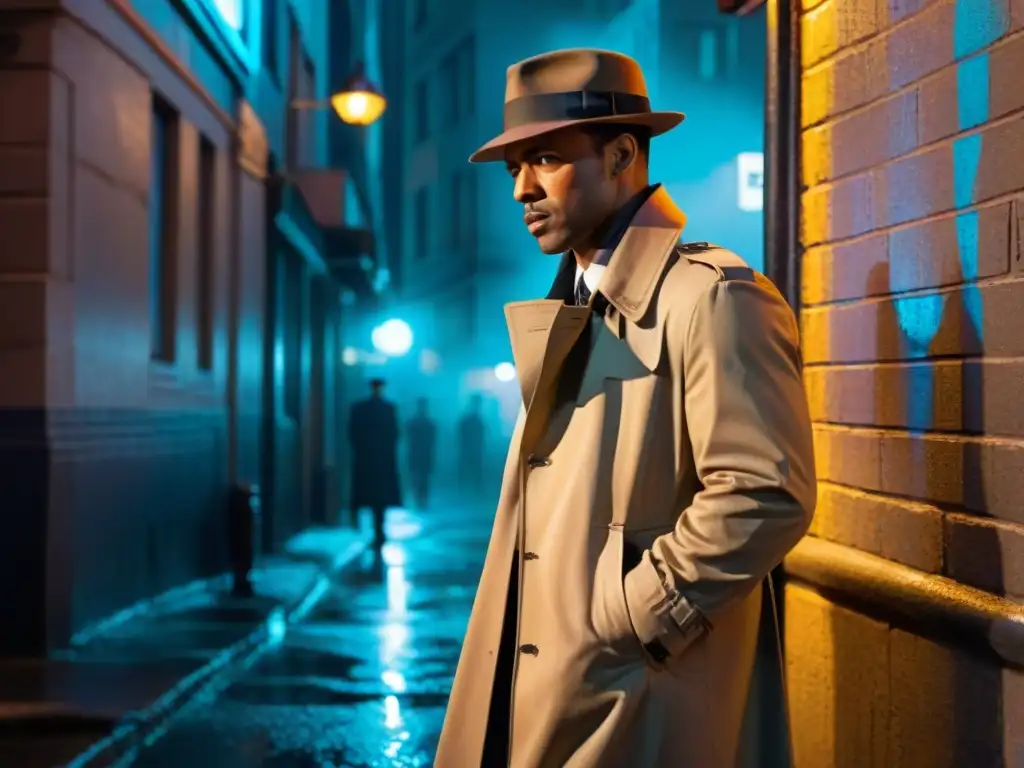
(232, 12)
(309, 143)
(270, 27)
(707, 48)
(468, 214)
(455, 220)
(207, 202)
(468, 72)
(419, 14)
(453, 95)
(421, 211)
(294, 118)
(290, 282)
(422, 106)
(163, 227)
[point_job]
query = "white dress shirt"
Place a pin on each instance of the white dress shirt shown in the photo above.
(591, 275)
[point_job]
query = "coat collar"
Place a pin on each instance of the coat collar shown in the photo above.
(638, 260)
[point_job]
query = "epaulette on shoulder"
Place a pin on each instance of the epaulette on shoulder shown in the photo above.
(726, 263)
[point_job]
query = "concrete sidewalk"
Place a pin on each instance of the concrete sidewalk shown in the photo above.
(124, 677)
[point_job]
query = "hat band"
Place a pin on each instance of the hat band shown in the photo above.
(572, 105)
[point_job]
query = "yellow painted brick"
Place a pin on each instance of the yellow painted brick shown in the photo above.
(979, 474)
(817, 94)
(922, 185)
(837, 669)
(815, 221)
(987, 554)
(1013, 706)
(857, 20)
(848, 517)
(815, 336)
(851, 270)
(815, 382)
(816, 275)
(903, 531)
(816, 155)
(838, 210)
(939, 324)
(945, 706)
(819, 30)
(848, 456)
(979, 397)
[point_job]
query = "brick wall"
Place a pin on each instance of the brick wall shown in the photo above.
(913, 295)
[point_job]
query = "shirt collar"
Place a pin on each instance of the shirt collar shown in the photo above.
(620, 223)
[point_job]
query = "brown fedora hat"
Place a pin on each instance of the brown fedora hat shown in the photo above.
(577, 86)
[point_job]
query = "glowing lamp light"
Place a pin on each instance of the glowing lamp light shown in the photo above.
(504, 372)
(350, 356)
(392, 338)
(359, 102)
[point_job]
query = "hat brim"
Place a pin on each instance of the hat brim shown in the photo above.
(494, 150)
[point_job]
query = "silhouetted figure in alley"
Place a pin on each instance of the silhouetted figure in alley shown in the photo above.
(421, 440)
(373, 434)
(471, 447)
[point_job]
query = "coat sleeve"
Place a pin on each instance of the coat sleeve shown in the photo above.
(750, 435)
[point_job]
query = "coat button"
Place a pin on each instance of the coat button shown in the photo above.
(530, 556)
(537, 461)
(529, 648)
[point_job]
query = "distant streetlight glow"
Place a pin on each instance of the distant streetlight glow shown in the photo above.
(504, 372)
(429, 361)
(393, 338)
(350, 356)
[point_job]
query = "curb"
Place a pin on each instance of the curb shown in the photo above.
(139, 730)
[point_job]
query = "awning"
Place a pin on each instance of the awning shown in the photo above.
(347, 245)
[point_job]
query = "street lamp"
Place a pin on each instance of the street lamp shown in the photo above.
(504, 372)
(359, 102)
(392, 338)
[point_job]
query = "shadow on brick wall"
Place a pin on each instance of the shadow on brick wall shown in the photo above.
(939, 697)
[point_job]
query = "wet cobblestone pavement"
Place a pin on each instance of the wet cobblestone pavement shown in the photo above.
(364, 680)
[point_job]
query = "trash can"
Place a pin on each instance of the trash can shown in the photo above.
(244, 527)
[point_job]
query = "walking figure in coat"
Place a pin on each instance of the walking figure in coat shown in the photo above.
(421, 440)
(660, 468)
(373, 436)
(472, 448)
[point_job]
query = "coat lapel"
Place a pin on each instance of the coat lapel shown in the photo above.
(542, 332)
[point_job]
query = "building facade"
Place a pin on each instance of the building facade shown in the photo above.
(170, 317)
(904, 609)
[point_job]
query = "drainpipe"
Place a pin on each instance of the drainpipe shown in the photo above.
(782, 158)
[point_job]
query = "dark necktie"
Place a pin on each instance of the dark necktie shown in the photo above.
(582, 292)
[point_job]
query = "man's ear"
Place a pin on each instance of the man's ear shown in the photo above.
(623, 151)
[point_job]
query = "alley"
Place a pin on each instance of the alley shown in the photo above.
(364, 680)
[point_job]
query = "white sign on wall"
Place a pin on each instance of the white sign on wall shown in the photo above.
(750, 181)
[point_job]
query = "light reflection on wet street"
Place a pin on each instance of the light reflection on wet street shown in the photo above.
(364, 680)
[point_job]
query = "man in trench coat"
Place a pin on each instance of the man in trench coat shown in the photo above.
(661, 465)
(373, 436)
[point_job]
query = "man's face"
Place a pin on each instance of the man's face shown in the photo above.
(565, 185)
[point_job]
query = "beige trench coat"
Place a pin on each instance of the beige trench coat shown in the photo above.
(689, 440)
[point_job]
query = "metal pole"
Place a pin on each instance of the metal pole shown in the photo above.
(782, 125)
(782, 265)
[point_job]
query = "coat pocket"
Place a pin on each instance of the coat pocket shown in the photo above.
(609, 613)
